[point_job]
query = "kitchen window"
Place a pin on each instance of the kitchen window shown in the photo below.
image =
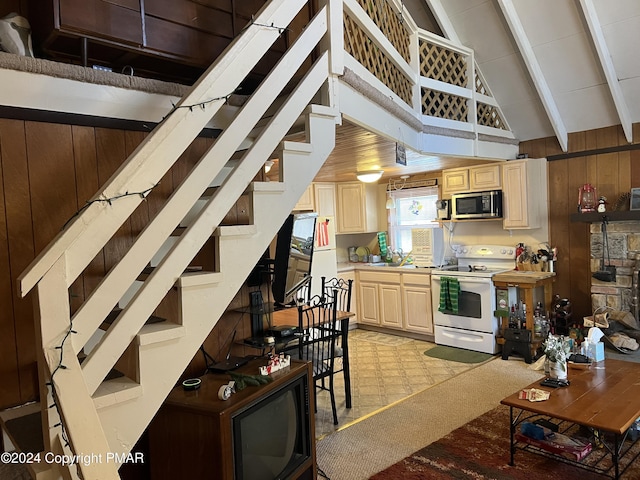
(412, 208)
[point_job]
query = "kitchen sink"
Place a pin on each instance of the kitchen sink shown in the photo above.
(383, 264)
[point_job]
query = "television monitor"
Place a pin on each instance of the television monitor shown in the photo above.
(260, 432)
(270, 439)
(293, 256)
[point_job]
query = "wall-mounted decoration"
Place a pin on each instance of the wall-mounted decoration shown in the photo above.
(401, 155)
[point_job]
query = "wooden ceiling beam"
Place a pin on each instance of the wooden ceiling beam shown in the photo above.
(597, 36)
(533, 67)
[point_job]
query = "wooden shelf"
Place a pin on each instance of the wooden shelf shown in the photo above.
(613, 216)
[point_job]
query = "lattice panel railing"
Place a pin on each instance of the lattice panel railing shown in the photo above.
(480, 88)
(358, 44)
(389, 23)
(444, 105)
(439, 63)
(489, 116)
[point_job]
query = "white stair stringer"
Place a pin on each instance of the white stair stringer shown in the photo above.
(83, 238)
(203, 299)
(113, 286)
(99, 362)
(161, 362)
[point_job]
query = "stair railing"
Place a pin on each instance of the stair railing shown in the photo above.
(59, 265)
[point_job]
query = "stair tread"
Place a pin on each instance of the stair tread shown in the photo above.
(232, 230)
(25, 432)
(148, 270)
(117, 311)
(275, 187)
(115, 391)
(159, 332)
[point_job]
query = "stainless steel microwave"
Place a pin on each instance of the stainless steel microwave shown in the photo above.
(476, 205)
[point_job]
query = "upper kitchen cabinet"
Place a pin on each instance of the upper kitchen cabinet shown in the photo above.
(472, 179)
(356, 207)
(525, 195)
(306, 202)
(485, 177)
(455, 180)
(320, 198)
(171, 40)
(325, 199)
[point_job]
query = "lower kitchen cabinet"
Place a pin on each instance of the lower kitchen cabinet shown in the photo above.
(379, 299)
(346, 276)
(368, 300)
(390, 305)
(395, 300)
(416, 299)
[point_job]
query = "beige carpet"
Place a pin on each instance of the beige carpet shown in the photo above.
(372, 444)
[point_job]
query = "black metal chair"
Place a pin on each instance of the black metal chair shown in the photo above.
(339, 290)
(318, 337)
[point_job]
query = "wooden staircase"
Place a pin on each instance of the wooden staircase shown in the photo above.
(83, 409)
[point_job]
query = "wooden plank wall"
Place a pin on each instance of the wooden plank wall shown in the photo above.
(47, 173)
(613, 174)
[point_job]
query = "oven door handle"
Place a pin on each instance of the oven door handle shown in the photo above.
(464, 279)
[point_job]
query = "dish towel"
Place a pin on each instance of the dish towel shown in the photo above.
(449, 293)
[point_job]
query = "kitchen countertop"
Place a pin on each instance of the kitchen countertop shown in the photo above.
(346, 267)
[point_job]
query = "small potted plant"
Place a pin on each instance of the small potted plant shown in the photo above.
(557, 349)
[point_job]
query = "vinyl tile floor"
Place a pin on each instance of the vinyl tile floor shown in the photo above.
(384, 369)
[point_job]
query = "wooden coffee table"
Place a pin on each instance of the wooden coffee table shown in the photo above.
(604, 397)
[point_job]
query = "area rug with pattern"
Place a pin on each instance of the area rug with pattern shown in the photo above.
(479, 450)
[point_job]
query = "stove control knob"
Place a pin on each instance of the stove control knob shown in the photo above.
(503, 251)
(465, 250)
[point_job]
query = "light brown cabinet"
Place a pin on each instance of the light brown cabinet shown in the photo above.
(485, 177)
(306, 201)
(396, 300)
(346, 276)
(380, 298)
(368, 300)
(416, 299)
(325, 199)
(390, 304)
(455, 181)
(525, 195)
(356, 207)
(472, 179)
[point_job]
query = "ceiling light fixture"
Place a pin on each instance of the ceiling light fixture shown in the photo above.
(370, 176)
(267, 166)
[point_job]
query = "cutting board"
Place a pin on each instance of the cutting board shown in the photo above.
(521, 276)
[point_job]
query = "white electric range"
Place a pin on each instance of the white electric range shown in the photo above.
(473, 326)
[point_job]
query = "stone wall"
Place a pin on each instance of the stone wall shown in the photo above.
(624, 252)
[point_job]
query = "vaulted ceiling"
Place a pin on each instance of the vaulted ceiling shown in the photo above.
(554, 66)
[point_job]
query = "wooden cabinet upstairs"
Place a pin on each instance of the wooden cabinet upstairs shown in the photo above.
(171, 40)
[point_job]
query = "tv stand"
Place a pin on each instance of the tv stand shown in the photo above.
(192, 434)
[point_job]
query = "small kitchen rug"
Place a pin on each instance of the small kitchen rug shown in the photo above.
(457, 354)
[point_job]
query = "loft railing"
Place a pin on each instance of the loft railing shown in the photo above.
(428, 76)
